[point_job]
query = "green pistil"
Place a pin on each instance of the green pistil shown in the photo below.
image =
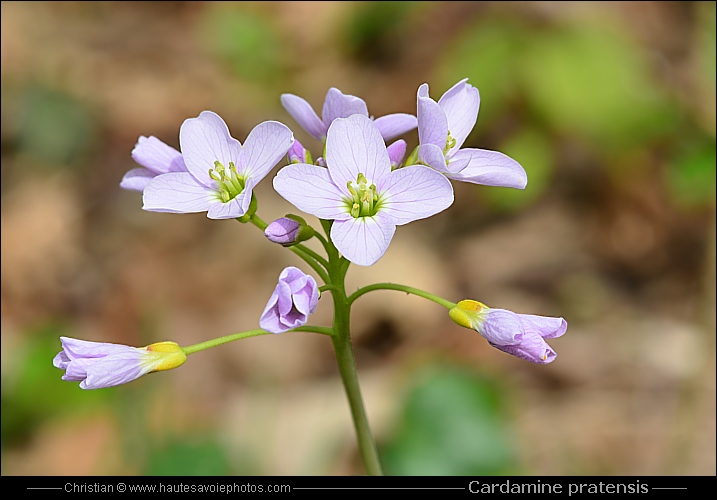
(364, 201)
(231, 184)
(450, 142)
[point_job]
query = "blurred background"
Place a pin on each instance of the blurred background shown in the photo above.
(610, 107)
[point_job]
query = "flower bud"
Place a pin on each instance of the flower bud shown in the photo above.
(288, 230)
(98, 364)
(295, 297)
(518, 334)
(396, 152)
(297, 153)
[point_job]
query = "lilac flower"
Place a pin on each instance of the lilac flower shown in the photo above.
(156, 157)
(294, 298)
(288, 230)
(518, 334)
(339, 105)
(221, 172)
(442, 129)
(360, 192)
(97, 364)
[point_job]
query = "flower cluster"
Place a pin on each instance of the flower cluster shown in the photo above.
(360, 187)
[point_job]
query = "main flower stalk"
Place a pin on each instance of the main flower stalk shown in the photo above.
(345, 357)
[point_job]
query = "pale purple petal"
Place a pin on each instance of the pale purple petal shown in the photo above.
(75, 348)
(432, 155)
(204, 140)
(363, 240)
(282, 231)
(532, 348)
(457, 160)
(415, 192)
(137, 179)
(502, 327)
(265, 145)
(157, 157)
(432, 122)
(355, 146)
(340, 105)
(396, 152)
(395, 124)
(460, 103)
(310, 189)
(114, 369)
(236, 207)
(61, 360)
(491, 168)
(178, 193)
(545, 326)
(305, 116)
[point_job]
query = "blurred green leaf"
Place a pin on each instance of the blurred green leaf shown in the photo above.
(592, 82)
(535, 153)
(691, 178)
(245, 40)
(485, 53)
(36, 392)
(189, 458)
(53, 127)
(453, 423)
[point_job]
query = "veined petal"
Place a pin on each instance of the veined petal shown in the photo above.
(415, 192)
(137, 179)
(501, 327)
(532, 348)
(305, 116)
(545, 326)
(457, 160)
(310, 189)
(432, 122)
(353, 146)
(236, 207)
(75, 348)
(491, 168)
(433, 156)
(178, 193)
(395, 124)
(265, 145)
(114, 369)
(365, 239)
(158, 157)
(460, 103)
(340, 105)
(204, 140)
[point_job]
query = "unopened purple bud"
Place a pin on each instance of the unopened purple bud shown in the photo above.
(288, 230)
(282, 231)
(297, 153)
(396, 152)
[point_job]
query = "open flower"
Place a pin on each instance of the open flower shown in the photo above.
(221, 172)
(443, 127)
(156, 157)
(97, 364)
(360, 192)
(339, 105)
(521, 335)
(294, 298)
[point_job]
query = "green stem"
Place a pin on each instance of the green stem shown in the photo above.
(312, 254)
(347, 363)
(401, 288)
(251, 333)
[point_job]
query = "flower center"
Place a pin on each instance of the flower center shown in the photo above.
(364, 201)
(230, 183)
(450, 142)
